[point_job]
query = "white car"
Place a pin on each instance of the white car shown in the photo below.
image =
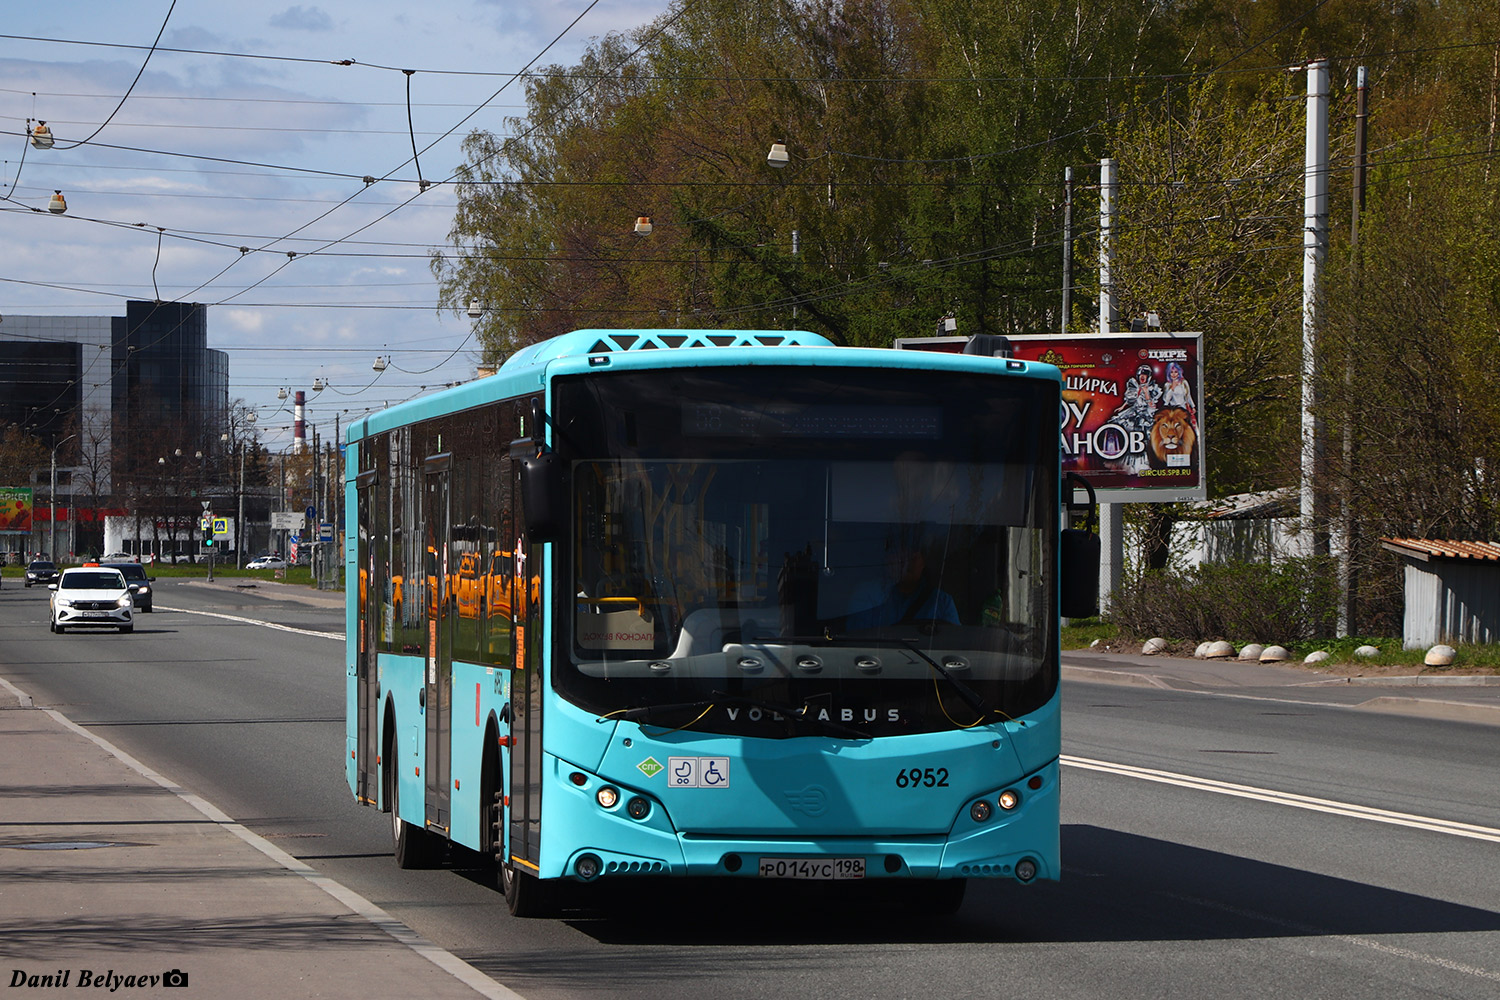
(266, 562)
(92, 596)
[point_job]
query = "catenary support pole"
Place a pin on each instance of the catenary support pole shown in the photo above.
(1111, 515)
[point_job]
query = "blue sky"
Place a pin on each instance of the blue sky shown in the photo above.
(257, 139)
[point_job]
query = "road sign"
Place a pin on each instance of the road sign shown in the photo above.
(325, 532)
(204, 522)
(286, 520)
(312, 513)
(221, 527)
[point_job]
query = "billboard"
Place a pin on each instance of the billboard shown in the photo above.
(1132, 411)
(15, 510)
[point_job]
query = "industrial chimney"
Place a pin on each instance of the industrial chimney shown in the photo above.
(299, 426)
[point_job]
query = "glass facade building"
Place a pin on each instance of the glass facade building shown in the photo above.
(165, 376)
(111, 394)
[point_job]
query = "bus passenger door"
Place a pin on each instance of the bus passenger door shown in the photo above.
(367, 674)
(525, 780)
(438, 694)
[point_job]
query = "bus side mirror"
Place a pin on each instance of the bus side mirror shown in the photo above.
(1079, 555)
(1078, 590)
(542, 496)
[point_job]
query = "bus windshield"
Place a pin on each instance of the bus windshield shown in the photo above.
(798, 551)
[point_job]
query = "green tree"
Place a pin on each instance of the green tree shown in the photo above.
(1410, 365)
(21, 454)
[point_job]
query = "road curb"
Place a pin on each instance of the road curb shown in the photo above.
(271, 590)
(1431, 708)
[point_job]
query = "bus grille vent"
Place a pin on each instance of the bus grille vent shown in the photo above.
(650, 341)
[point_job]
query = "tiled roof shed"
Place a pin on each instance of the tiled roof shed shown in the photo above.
(1452, 590)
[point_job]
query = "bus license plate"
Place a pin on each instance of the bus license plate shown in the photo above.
(814, 869)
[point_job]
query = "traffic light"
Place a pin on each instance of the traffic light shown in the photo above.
(208, 542)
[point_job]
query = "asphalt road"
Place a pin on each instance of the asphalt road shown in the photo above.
(1213, 846)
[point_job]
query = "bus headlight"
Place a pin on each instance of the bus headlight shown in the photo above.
(638, 808)
(608, 797)
(1009, 800)
(980, 811)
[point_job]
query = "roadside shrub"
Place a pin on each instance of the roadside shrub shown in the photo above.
(1294, 600)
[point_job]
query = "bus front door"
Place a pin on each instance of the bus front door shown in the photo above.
(438, 693)
(525, 781)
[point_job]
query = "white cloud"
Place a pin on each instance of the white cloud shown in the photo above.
(240, 320)
(300, 18)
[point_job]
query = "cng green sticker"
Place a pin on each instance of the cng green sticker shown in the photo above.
(650, 767)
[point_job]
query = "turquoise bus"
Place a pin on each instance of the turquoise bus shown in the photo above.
(737, 604)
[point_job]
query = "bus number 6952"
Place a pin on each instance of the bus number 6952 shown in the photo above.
(917, 777)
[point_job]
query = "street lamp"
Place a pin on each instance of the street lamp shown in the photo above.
(52, 500)
(175, 469)
(239, 520)
(41, 136)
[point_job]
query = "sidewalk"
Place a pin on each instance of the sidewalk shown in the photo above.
(273, 590)
(1455, 698)
(110, 875)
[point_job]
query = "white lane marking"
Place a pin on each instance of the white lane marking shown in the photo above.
(256, 621)
(1307, 802)
(441, 957)
(1361, 942)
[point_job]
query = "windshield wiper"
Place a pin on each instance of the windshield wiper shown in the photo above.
(645, 712)
(964, 691)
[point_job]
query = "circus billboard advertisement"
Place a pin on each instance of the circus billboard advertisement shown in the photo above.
(1132, 411)
(15, 510)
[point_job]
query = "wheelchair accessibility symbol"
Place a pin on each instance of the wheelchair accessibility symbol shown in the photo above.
(698, 772)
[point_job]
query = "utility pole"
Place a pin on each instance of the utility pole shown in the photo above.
(52, 500)
(1348, 574)
(1312, 508)
(1067, 248)
(1361, 124)
(239, 521)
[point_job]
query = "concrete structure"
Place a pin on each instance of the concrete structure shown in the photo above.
(1452, 591)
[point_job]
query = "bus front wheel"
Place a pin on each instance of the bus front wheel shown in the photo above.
(525, 894)
(935, 898)
(412, 846)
